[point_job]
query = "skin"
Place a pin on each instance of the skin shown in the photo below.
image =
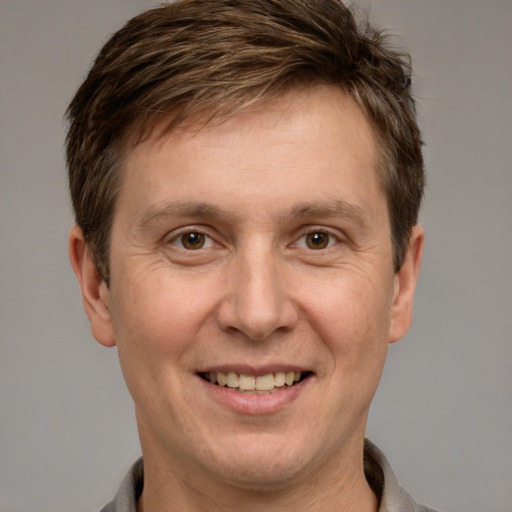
(258, 296)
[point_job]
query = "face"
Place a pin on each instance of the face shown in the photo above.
(252, 293)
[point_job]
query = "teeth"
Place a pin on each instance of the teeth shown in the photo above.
(279, 379)
(259, 384)
(247, 382)
(265, 382)
(232, 380)
(222, 378)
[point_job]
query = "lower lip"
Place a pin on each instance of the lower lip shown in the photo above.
(255, 404)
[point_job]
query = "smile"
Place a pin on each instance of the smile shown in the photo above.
(259, 384)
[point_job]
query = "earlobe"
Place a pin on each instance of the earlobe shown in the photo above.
(95, 294)
(405, 286)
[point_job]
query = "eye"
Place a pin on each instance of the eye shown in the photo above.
(193, 241)
(316, 240)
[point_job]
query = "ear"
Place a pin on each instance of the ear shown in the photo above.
(405, 286)
(95, 294)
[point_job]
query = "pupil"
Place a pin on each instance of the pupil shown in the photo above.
(193, 240)
(317, 240)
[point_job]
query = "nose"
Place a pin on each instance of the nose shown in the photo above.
(257, 301)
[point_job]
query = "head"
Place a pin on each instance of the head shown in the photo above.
(214, 58)
(246, 177)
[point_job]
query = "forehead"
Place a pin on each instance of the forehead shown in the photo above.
(329, 104)
(305, 142)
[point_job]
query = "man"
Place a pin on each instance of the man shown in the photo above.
(246, 178)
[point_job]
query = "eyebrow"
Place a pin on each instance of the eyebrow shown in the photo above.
(331, 208)
(201, 210)
(161, 211)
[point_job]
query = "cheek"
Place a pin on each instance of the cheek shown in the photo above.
(156, 318)
(353, 319)
(156, 324)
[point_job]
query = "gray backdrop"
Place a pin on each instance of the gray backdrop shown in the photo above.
(443, 413)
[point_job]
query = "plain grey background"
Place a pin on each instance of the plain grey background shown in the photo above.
(443, 413)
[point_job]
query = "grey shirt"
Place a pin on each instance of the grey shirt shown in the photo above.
(379, 474)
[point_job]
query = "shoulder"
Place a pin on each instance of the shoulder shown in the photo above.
(393, 498)
(129, 491)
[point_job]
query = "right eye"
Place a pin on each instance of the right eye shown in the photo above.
(193, 241)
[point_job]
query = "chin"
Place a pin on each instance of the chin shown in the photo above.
(262, 463)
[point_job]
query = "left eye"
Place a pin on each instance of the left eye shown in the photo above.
(316, 240)
(193, 241)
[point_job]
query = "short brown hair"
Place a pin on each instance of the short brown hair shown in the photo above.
(217, 57)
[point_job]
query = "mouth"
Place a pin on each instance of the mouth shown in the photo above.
(255, 384)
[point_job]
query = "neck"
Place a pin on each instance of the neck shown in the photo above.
(334, 486)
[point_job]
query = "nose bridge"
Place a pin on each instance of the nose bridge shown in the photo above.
(257, 300)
